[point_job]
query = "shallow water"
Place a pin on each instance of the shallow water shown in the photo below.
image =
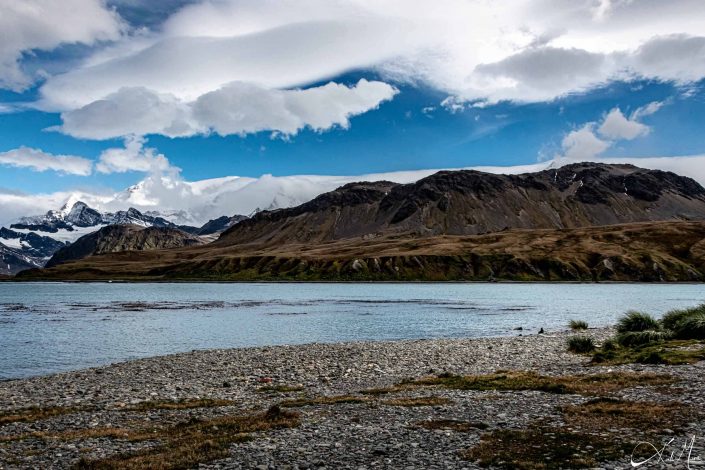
(52, 327)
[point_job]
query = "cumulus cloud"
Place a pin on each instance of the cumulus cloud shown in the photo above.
(593, 138)
(616, 126)
(133, 157)
(472, 49)
(582, 144)
(37, 160)
(29, 25)
(237, 108)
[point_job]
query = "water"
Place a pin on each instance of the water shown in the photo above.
(52, 327)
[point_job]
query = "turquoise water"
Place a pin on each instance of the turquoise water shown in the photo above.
(52, 327)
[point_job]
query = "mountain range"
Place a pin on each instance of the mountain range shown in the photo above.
(586, 221)
(31, 241)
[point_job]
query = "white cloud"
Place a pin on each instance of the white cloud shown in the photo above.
(584, 144)
(616, 126)
(27, 25)
(134, 157)
(129, 111)
(241, 108)
(212, 198)
(525, 50)
(237, 108)
(37, 160)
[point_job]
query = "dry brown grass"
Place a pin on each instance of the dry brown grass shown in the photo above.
(541, 447)
(28, 415)
(451, 425)
(280, 389)
(179, 405)
(417, 401)
(605, 413)
(594, 432)
(596, 384)
(331, 400)
(197, 441)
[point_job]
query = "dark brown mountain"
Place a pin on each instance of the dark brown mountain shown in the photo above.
(471, 203)
(116, 238)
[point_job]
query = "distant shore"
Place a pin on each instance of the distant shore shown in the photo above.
(346, 405)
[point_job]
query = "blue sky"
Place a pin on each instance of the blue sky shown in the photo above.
(395, 121)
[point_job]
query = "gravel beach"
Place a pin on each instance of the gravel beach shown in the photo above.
(351, 405)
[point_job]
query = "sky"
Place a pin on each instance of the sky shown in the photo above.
(96, 96)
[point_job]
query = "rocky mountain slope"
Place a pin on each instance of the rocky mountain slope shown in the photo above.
(583, 222)
(31, 241)
(652, 251)
(116, 238)
(471, 203)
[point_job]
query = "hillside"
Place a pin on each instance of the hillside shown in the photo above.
(116, 238)
(656, 251)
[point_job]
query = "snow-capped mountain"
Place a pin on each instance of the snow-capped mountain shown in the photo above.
(32, 240)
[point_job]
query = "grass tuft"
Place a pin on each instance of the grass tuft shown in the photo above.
(691, 327)
(640, 338)
(576, 325)
(637, 321)
(581, 344)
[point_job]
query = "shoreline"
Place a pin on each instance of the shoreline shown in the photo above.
(346, 403)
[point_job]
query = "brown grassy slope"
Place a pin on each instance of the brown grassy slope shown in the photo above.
(651, 251)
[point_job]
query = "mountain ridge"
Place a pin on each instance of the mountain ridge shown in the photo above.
(582, 222)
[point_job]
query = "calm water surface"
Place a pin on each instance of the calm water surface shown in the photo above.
(52, 327)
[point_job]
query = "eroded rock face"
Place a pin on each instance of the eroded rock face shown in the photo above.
(116, 238)
(471, 202)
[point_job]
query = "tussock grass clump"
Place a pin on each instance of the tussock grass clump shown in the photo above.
(691, 327)
(671, 319)
(639, 338)
(576, 325)
(637, 321)
(417, 401)
(581, 344)
(188, 444)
